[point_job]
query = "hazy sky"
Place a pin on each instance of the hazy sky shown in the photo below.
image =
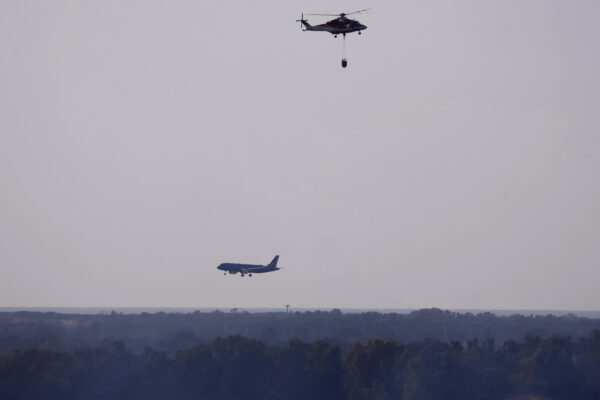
(455, 163)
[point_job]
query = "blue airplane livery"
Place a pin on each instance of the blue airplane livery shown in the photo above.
(249, 269)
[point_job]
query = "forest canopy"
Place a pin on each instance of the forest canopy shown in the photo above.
(238, 367)
(427, 355)
(176, 331)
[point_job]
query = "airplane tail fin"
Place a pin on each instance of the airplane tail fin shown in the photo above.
(273, 263)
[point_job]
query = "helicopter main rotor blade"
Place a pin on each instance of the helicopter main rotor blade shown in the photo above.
(342, 14)
(359, 11)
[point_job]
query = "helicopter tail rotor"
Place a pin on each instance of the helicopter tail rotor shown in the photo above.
(302, 21)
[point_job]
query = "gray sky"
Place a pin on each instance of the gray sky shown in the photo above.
(455, 163)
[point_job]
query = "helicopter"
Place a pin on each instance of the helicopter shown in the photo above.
(340, 25)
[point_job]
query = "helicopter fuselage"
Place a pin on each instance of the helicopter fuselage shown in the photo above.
(341, 25)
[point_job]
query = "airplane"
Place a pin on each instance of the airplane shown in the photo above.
(249, 268)
(341, 24)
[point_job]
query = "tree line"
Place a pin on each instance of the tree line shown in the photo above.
(238, 367)
(177, 331)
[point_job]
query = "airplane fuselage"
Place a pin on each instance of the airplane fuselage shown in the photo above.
(243, 269)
